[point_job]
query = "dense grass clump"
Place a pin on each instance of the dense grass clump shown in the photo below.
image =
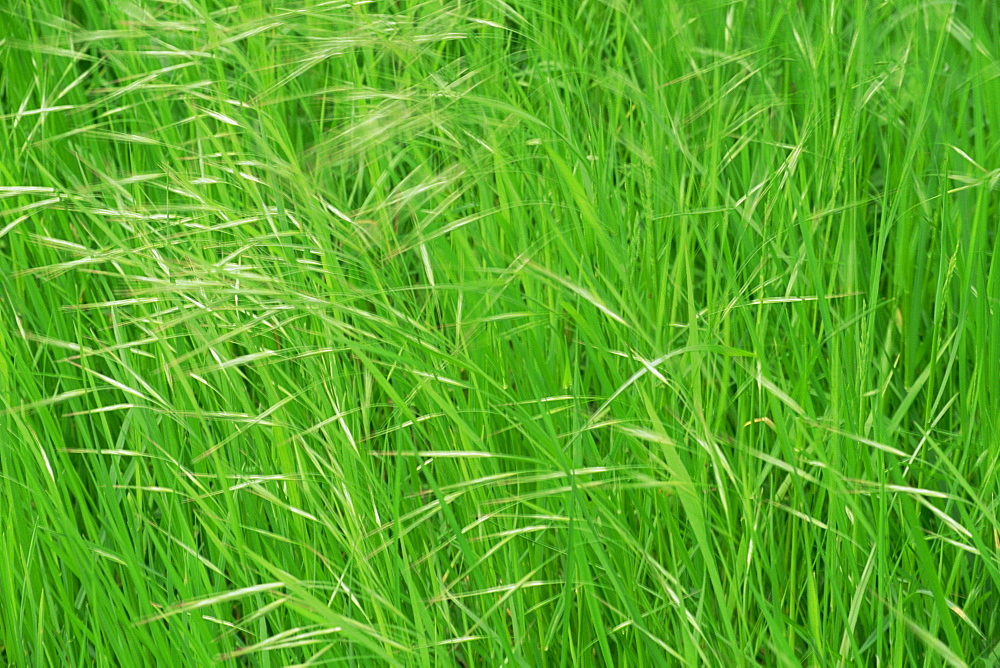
(499, 332)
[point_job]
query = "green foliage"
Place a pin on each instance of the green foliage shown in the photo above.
(499, 332)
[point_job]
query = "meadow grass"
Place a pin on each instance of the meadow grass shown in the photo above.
(499, 332)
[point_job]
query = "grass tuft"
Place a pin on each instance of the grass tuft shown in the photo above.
(422, 333)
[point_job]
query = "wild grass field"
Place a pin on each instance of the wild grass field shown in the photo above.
(499, 332)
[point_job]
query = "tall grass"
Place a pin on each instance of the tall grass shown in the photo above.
(499, 332)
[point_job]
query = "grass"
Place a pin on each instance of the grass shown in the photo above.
(499, 332)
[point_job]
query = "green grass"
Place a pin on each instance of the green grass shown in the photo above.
(499, 332)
